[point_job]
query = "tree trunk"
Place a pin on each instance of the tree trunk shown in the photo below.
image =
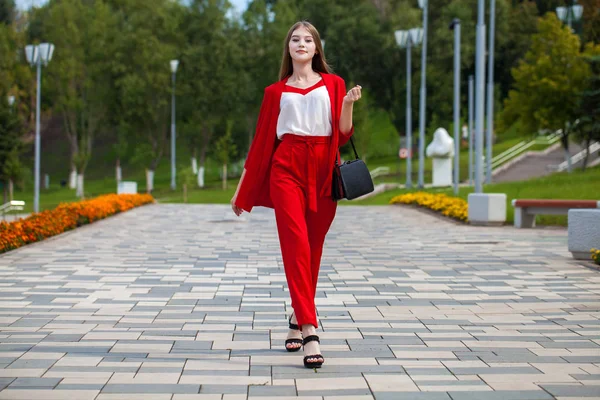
(194, 160)
(588, 142)
(565, 142)
(205, 140)
(250, 123)
(224, 176)
(5, 192)
(10, 190)
(80, 191)
(118, 171)
(149, 181)
(201, 177)
(185, 193)
(73, 178)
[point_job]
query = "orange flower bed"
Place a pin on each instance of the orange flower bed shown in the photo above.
(65, 217)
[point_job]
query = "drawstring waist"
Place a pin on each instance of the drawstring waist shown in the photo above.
(311, 162)
(293, 138)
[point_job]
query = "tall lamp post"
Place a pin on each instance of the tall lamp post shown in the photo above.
(455, 26)
(36, 56)
(423, 5)
(479, 94)
(471, 139)
(408, 39)
(174, 65)
(490, 94)
(570, 14)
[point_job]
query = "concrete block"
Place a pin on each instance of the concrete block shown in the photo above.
(127, 187)
(487, 208)
(584, 232)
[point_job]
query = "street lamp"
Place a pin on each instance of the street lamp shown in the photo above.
(174, 65)
(423, 5)
(570, 14)
(479, 94)
(471, 100)
(11, 101)
(490, 94)
(455, 26)
(36, 55)
(406, 39)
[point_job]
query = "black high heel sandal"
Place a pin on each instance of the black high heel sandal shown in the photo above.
(312, 364)
(294, 341)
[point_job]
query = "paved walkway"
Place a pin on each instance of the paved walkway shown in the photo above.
(187, 302)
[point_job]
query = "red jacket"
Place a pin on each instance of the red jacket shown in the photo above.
(254, 190)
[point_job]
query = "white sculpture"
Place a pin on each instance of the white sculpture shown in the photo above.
(441, 149)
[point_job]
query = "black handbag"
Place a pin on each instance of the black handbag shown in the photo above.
(351, 179)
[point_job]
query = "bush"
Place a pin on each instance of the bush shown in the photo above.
(452, 207)
(596, 256)
(65, 217)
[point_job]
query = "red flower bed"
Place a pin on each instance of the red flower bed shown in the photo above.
(65, 217)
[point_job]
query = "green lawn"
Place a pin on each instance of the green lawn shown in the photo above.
(398, 167)
(577, 185)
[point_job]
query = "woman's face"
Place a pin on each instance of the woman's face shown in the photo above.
(302, 45)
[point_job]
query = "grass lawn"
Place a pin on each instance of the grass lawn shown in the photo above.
(398, 167)
(577, 185)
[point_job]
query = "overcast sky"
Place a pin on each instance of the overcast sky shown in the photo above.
(240, 5)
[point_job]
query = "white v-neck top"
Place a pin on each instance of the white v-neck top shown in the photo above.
(305, 112)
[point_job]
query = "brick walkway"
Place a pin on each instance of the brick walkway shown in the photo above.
(187, 302)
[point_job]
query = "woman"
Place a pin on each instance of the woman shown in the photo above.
(304, 118)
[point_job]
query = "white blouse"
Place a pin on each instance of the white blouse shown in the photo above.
(305, 112)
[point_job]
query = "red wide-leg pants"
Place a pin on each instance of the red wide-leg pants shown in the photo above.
(299, 169)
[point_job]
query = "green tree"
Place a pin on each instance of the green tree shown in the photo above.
(148, 38)
(78, 73)
(588, 107)
(7, 11)
(214, 64)
(548, 81)
(11, 132)
(225, 150)
(187, 180)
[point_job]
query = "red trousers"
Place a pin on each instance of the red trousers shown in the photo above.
(298, 170)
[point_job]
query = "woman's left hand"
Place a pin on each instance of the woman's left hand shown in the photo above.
(353, 94)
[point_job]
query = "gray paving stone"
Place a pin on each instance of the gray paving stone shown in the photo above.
(411, 396)
(502, 395)
(268, 391)
(150, 388)
(163, 287)
(223, 389)
(35, 383)
(572, 390)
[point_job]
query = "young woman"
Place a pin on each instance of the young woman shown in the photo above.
(304, 118)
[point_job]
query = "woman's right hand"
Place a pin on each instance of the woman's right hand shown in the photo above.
(237, 210)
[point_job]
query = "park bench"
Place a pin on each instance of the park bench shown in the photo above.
(527, 209)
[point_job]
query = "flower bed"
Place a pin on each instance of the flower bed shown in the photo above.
(596, 256)
(452, 207)
(65, 217)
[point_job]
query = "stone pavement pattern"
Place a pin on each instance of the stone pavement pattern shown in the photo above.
(187, 302)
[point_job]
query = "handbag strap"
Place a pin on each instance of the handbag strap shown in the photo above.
(353, 148)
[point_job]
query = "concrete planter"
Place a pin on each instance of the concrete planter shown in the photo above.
(584, 232)
(487, 209)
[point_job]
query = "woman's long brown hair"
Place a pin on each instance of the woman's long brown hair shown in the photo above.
(319, 64)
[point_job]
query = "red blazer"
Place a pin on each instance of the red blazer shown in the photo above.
(254, 190)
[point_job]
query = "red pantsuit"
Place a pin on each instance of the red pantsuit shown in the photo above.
(299, 167)
(293, 176)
